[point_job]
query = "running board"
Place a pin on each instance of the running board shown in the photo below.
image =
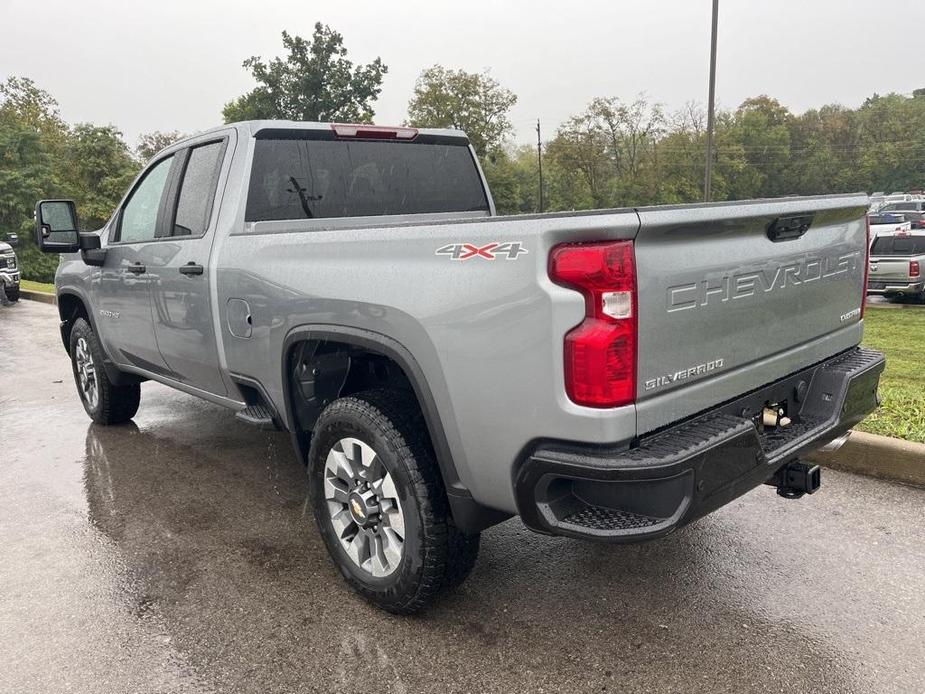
(257, 410)
(259, 416)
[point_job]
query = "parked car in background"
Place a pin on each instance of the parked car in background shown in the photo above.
(894, 198)
(896, 262)
(877, 200)
(916, 219)
(887, 223)
(904, 206)
(9, 267)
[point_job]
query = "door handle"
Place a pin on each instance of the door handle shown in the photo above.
(137, 268)
(191, 268)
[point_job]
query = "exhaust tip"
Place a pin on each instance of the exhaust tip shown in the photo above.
(835, 444)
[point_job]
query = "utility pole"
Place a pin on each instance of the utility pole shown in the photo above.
(539, 159)
(708, 174)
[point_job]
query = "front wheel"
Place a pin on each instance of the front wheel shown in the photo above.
(380, 503)
(12, 293)
(105, 402)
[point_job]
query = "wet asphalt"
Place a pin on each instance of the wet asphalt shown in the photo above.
(176, 554)
(883, 302)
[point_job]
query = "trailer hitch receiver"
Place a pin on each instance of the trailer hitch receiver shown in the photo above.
(795, 479)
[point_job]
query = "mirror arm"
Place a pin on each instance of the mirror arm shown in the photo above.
(94, 256)
(89, 241)
(90, 249)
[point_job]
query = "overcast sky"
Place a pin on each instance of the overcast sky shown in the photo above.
(172, 64)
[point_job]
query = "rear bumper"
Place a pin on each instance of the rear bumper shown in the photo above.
(895, 287)
(682, 473)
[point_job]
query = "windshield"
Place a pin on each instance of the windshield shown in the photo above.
(325, 178)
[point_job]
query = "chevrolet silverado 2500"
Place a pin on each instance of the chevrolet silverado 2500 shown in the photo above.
(610, 375)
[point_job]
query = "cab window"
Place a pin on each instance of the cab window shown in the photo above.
(197, 192)
(139, 215)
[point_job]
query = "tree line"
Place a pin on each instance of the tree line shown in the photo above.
(614, 153)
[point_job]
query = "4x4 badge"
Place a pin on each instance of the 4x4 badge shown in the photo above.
(489, 251)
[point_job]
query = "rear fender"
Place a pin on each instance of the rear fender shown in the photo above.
(468, 515)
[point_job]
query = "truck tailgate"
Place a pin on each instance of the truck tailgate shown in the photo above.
(734, 296)
(887, 268)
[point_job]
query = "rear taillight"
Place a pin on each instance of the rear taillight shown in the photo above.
(600, 352)
(866, 265)
(913, 268)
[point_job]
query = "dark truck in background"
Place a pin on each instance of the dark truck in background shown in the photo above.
(9, 267)
(608, 375)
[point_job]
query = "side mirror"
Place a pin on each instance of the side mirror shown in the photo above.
(13, 240)
(56, 226)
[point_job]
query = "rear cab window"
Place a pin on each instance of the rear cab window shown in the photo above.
(898, 245)
(310, 174)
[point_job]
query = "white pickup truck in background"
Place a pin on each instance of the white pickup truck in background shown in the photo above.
(896, 261)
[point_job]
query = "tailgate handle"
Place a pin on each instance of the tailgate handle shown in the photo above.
(789, 228)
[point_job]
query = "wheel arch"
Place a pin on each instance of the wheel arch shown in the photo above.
(468, 514)
(73, 305)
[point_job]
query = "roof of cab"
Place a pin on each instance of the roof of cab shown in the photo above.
(250, 128)
(254, 126)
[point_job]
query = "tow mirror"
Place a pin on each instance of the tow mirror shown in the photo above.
(56, 226)
(13, 240)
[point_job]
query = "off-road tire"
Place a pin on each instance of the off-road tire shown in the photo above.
(436, 555)
(115, 404)
(13, 294)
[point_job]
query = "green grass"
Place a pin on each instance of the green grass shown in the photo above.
(31, 286)
(900, 334)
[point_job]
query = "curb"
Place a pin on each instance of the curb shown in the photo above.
(38, 296)
(878, 456)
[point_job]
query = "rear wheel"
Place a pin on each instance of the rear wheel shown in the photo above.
(380, 503)
(105, 402)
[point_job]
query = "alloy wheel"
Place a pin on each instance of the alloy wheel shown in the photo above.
(86, 374)
(364, 508)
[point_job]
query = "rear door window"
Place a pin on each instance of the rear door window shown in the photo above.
(325, 178)
(197, 191)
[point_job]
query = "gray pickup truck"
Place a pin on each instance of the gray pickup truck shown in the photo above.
(610, 375)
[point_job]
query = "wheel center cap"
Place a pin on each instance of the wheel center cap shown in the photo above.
(363, 508)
